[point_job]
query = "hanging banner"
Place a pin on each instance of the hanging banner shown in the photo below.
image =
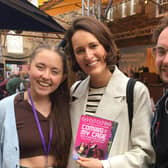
(14, 43)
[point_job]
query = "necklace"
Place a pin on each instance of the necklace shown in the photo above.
(45, 147)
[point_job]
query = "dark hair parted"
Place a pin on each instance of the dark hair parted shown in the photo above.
(162, 25)
(60, 111)
(100, 31)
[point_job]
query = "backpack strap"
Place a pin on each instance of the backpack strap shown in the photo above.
(130, 99)
(76, 86)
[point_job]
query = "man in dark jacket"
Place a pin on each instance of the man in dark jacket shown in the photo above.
(160, 122)
(13, 84)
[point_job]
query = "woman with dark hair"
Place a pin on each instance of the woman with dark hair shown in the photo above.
(35, 127)
(102, 94)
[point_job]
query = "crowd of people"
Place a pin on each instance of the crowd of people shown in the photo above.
(14, 83)
(38, 123)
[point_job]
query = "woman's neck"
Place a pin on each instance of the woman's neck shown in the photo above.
(41, 103)
(39, 98)
(101, 80)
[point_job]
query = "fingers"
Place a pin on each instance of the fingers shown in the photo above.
(89, 162)
(85, 159)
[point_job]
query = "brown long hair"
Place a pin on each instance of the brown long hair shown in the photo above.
(60, 111)
(100, 31)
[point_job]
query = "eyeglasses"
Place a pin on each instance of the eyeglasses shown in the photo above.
(160, 51)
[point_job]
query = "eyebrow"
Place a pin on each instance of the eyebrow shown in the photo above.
(162, 46)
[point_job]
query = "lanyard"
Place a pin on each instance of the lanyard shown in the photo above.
(45, 148)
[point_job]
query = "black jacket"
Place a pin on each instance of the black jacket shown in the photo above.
(160, 132)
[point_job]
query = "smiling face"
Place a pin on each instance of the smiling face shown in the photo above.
(46, 72)
(161, 55)
(90, 53)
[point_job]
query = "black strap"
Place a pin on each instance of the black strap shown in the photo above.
(130, 99)
(73, 91)
(76, 86)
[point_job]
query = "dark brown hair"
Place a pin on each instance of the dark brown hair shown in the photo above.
(100, 31)
(60, 111)
(162, 25)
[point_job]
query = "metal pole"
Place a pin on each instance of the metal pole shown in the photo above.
(88, 7)
(83, 7)
(99, 10)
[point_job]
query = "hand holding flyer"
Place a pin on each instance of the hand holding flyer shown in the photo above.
(94, 137)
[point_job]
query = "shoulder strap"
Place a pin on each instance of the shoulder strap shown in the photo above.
(76, 86)
(74, 89)
(130, 99)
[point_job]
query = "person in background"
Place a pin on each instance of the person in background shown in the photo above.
(35, 126)
(13, 83)
(160, 121)
(3, 91)
(24, 84)
(1, 78)
(102, 94)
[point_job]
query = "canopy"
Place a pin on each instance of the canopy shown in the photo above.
(58, 7)
(22, 15)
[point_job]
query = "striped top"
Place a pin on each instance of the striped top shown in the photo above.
(94, 98)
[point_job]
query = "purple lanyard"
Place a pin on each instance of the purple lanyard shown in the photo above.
(46, 150)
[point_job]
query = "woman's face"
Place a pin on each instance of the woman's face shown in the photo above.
(89, 53)
(46, 72)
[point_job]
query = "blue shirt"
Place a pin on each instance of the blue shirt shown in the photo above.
(9, 145)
